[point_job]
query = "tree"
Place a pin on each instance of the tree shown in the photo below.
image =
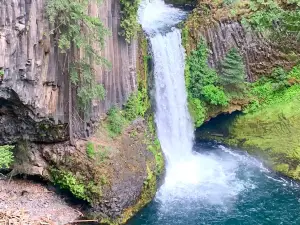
(80, 37)
(233, 73)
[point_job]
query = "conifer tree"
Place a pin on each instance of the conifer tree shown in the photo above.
(233, 73)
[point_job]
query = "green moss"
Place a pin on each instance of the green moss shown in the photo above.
(197, 110)
(155, 148)
(272, 132)
(148, 192)
(90, 150)
(78, 185)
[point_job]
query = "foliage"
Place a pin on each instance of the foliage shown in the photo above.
(233, 73)
(90, 150)
(129, 22)
(137, 105)
(6, 156)
(272, 131)
(76, 29)
(66, 180)
(1, 73)
(155, 148)
(281, 18)
(203, 84)
(214, 95)
(267, 91)
(77, 185)
(116, 121)
(294, 73)
(201, 80)
(197, 110)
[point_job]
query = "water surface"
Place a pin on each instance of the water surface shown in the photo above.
(257, 196)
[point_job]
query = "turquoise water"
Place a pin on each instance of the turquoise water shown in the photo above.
(262, 197)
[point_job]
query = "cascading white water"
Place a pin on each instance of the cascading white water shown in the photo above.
(190, 176)
(175, 129)
(174, 125)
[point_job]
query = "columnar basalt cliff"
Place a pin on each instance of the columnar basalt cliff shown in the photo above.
(266, 124)
(35, 88)
(260, 55)
(222, 31)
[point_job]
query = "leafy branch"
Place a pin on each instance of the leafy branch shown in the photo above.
(78, 32)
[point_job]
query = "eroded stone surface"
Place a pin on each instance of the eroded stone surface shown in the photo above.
(33, 66)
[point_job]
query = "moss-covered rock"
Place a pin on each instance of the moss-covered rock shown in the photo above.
(272, 132)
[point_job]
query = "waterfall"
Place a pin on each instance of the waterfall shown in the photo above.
(189, 175)
(174, 125)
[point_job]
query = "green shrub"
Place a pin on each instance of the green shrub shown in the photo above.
(279, 19)
(116, 121)
(199, 74)
(137, 104)
(214, 95)
(294, 72)
(6, 156)
(268, 91)
(66, 180)
(129, 22)
(1, 73)
(90, 150)
(197, 110)
(202, 83)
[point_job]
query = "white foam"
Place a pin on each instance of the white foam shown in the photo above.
(190, 177)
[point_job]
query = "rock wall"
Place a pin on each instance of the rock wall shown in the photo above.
(33, 67)
(260, 55)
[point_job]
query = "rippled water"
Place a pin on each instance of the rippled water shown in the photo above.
(258, 196)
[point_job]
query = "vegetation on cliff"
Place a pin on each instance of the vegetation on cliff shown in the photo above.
(80, 37)
(129, 20)
(281, 18)
(125, 143)
(6, 156)
(270, 124)
(208, 88)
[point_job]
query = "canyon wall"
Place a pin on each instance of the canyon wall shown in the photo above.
(260, 55)
(34, 89)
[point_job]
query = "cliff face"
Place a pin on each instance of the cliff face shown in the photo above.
(260, 55)
(34, 89)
